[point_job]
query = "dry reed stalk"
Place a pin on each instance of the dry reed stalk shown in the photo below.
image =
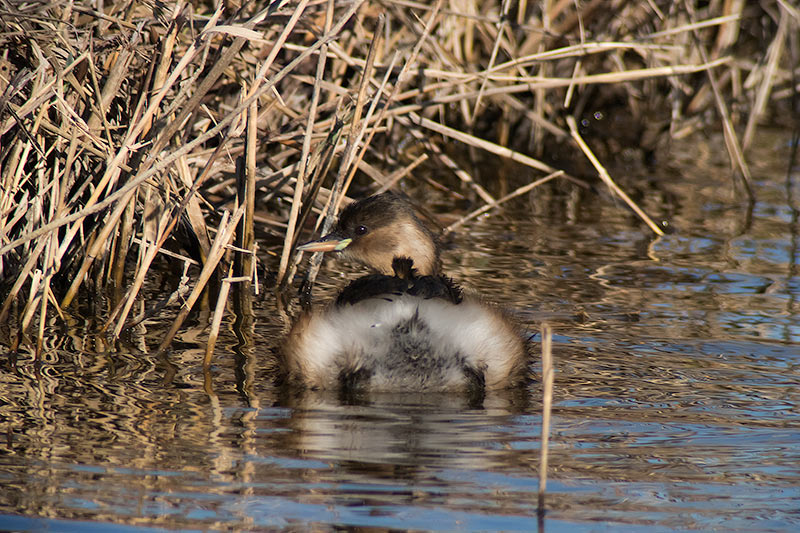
(604, 175)
(163, 228)
(42, 94)
(459, 77)
(216, 321)
(320, 164)
(762, 95)
(729, 31)
(326, 217)
(370, 113)
(243, 263)
(225, 232)
(531, 83)
(731, 139)
(359, 126)
(161, 92)
(451, 165)
(492, 58)
(543, 123)
(169, 253)
(449, 12)
(86, 122)
(148, 312)
(517, 192)
(540, 95)
(43, 294)
(33, 300)
(165, 57)
(306, 149)
(490, 147)
(522, 8)
(401, 173)
(404, 70)
(277, 48)
(111, 86)
(123, 240)
(548, 375)
(186, 148)
(683, 28)
(202, 88)
(192, 209)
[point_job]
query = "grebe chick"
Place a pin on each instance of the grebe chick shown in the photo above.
(405, 327)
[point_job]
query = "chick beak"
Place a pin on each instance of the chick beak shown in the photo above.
(329, 243)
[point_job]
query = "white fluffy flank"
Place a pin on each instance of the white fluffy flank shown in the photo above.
(323, 341)
(481, 334)
(317, 344)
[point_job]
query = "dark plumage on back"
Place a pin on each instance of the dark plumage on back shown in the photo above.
(405, 280)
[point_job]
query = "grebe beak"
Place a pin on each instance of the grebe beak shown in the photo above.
(328, 243)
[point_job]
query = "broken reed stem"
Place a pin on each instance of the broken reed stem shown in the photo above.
(42, 316)
(399, 174)
(547, 403)
(490, 147)
(124, 238)
(219, 310)
(33, 300)
(517, 192)
(604, 175)
(224, 235)
(248, 240)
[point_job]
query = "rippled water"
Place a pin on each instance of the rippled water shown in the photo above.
(676, 399)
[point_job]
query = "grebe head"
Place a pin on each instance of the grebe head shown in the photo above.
(376, 230)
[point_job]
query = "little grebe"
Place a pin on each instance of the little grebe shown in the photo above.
(406, 327)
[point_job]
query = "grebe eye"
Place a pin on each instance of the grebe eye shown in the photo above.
(361, 230)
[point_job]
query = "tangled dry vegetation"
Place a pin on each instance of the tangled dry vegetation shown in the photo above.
(176, 129)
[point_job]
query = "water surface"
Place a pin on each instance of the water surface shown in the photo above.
(676, 400)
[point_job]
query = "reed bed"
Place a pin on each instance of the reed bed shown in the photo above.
(147, 135)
